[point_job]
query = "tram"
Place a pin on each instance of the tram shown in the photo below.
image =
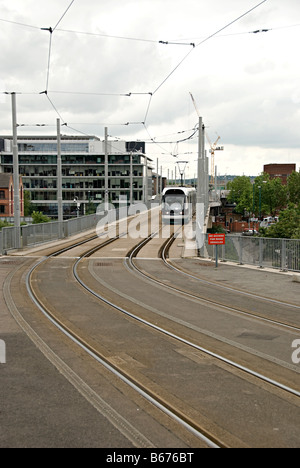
(178, 205)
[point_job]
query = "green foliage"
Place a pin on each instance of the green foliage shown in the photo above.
(241, 194)
(265, 198)
(28, 207)
(217, 230)
(293, 188)
(288, 226)
(270, 196)
(4, 224)
(91, 208)
(39, 218)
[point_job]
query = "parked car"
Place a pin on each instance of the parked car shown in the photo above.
(250, 232)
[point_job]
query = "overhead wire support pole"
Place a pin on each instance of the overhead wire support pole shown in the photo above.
(201, 198)
(59, 180)
(106, 199)
(16, 176)
(131, 179)
(146, 181)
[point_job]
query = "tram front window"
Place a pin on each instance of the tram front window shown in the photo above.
(175, 203)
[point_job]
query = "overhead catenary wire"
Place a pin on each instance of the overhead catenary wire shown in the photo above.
(51, 31)
(62, 17)
(151, 94)
(244, 33)
(206, 40)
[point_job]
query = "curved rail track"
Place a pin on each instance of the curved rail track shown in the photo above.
(164, 406)
(167, 407)
(165, 257)
(163, 253)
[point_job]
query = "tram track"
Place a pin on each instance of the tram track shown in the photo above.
(163, 254)
(165, 257)
(182, 340)
(154, 398)
(150, 396)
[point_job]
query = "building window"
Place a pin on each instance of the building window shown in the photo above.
(2, 209)
(2, 195)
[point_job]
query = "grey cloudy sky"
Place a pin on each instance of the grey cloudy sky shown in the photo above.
(247, 86)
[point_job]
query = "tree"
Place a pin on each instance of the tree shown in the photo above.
(275, 196)
(293, 188)
(90, 208)
(270, 195)
(28, 207)
(38, 218)
(4, 224)
(288, 226)
(241, 194)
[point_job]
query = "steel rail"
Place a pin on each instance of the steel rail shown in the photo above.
(150, 396)
(165, 407)
(201, 298)
(191, 426)
(221, 286)
(130, 264)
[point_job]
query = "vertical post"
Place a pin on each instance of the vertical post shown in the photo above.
(283, 255)
(146, 182)
(206, 181)
(59, 181)
(217, 256)
(157, 179)
(241, 250)
(16, 177)
(260, 200)
(131, 179)
(203, 156)
(106, 200)
(201, 167)
(261, 253)
(200, 190)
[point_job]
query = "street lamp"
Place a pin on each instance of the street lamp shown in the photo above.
(182, 166)
(260, 188)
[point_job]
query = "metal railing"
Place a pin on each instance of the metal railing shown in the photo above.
(262, 252)
(36, 234)
(283, 254)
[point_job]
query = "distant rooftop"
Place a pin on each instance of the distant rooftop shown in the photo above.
(51, 137)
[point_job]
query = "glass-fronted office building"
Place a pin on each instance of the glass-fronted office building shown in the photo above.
(83, 171)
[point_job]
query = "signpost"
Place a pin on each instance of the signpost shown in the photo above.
(217, 239)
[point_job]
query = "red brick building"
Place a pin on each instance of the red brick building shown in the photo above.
(7, 196)
(281, 171)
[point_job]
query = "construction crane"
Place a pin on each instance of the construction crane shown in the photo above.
(213, 147)
(195, 105)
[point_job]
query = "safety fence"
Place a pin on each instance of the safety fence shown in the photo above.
(36, 234)
(282, 254)
(12, 238)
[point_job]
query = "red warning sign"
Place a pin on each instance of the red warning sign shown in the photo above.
(216, 239)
